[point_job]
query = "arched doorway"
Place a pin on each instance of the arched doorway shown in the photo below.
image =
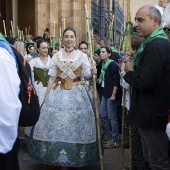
(26, 16)
(6, 15)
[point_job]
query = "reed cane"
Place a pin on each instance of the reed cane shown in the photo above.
(29, 30)
(12, 30)
(129, 48)
(60, 38)
(130, 133)
(123, 125)
(54, 36)
(92, 39)
(4, 28)
(95, 94)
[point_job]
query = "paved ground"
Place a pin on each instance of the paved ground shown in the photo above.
(111, 159)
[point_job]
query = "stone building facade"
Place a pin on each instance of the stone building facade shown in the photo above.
(65, 13)
(136, 4)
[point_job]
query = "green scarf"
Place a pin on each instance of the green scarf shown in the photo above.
(113, 49)
(104, 67)
(158, 33)
(2, 38)
(97, 49)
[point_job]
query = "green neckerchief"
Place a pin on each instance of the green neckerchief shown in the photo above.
(97, 49)
(113, 49)
(2, 38)
(34, 52)
(27, 42)
(104, 67)
(158, 33)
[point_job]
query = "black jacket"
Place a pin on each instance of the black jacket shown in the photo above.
(112, 78)
(151, 87)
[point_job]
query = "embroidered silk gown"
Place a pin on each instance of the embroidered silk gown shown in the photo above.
(65, 134)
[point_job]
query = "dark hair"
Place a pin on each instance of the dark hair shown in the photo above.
(97, 39)
(108, 50)
(48, 40)
(11, 40)
(136, 41)
(83, 42)
(39, 42)
(104, 39)
(56, 48)
(69, 29)
(30, 46)
(47, 29)
(37, 38)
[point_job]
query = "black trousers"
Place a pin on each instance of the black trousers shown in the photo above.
(155, 146)
(9, 161)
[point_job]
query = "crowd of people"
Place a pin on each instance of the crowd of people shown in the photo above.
(66, 133)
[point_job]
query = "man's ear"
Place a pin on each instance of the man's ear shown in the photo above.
(156, 21)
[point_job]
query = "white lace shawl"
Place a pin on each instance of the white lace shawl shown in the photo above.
(80, 59)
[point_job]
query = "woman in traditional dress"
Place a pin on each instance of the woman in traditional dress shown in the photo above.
(65, 134)
(40, 67)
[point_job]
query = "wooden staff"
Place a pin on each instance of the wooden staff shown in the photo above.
(20, 34)
(111, 30)
(26, 31)
(60, 32)
(128, 37)
(60, 38)
(4, 27)
(54, 36)
(29, 30)
(18, 31)
(114, 36)
(64, 21)
(54, 29)
(51, 40)
(120, 39)
(123, 127)
(77, 42)
(95, 93)
(92, 39)
(129, 48)
(12, 28)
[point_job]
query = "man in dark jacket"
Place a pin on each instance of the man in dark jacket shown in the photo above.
(149, 76)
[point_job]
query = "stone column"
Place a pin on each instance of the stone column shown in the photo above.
(42, 16)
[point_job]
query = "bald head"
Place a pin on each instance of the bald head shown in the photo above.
(153, 12)
(147, 19)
